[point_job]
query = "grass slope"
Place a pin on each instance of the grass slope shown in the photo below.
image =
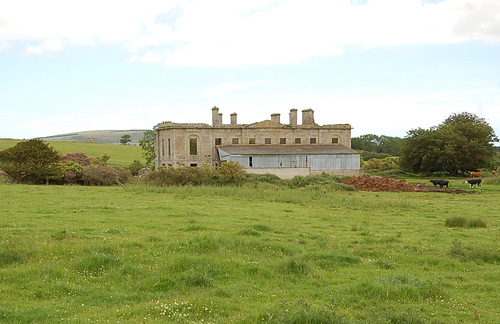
(252, 254)
(122, 155)
(100, 136)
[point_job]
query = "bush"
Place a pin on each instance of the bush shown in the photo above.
(135, 167)
(231, 172)
(72, 172)
(32, 161)
(180, 176)
(388, 163)
(78, 158)
(104, 175)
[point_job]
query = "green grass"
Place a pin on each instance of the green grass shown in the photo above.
(122, 155)
(251, 254)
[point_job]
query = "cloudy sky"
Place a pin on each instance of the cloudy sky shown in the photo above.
(383, 66)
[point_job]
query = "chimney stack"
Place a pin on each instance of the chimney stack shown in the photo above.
(275, 118)
(216, 117)
(308, 117)
(233, 119)
(293, 117)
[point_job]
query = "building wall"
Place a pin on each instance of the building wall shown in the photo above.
(315, 162)
(173, 141)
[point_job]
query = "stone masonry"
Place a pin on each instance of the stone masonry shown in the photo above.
(190, 144)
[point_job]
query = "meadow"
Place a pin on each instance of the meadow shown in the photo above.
(257, 253)
(121, 155)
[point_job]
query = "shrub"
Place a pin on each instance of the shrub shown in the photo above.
(32, 161)
(78, 158)
(186, 175)
(104, 175)
(180, 176)
(388, 163)
(135, 167)
(157, 177)
(231, 172)
(72, 172)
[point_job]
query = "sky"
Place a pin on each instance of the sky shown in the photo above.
(383, 66)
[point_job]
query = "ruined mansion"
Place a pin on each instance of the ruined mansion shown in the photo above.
(262, 147)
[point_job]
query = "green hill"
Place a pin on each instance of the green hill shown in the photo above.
(99, 136)
(122, 155)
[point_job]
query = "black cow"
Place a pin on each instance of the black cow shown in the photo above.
(440, 182)
(472, 182)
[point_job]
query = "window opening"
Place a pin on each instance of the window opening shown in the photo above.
(193, 146)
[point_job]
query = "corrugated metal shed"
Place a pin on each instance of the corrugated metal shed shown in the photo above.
(315, 157)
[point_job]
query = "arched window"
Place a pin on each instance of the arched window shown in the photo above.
(193, 146)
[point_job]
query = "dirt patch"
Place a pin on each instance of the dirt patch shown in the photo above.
(391, 184)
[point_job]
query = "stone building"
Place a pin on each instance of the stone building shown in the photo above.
(262, 147)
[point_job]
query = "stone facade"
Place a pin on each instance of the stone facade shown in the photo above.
(179, 144)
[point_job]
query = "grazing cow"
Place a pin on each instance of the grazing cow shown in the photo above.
(472, 182)
(440, 182)
(494, 173)
(475, 174)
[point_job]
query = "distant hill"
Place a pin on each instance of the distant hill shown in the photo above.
(100, 136)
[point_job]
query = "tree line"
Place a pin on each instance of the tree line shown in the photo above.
(463, 142)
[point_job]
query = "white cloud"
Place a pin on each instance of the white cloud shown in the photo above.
(50, 45)
(227, 32)
(226, 88)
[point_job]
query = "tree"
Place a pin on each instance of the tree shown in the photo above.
(147, 143)
(125, 139)
(463, 142)
(386, 145)
(32, 161)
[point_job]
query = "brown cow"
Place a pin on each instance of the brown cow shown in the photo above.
(476, 174)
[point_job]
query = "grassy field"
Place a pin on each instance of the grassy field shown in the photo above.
(251, 254)
(122, 155)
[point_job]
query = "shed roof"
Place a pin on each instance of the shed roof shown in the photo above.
(281, 149)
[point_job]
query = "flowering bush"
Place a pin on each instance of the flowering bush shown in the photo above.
(78, 158)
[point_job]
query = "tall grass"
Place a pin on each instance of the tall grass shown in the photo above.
(463, 222)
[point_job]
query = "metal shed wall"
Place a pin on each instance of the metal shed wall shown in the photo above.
(314, 162)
